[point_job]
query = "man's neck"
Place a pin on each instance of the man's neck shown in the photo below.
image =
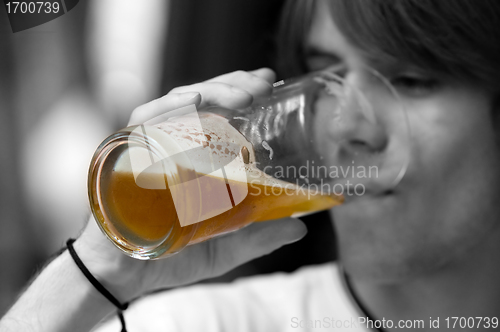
(470, 288)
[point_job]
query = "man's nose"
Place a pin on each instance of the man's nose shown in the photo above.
(359, 131)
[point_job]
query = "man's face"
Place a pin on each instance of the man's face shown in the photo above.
(447, 206)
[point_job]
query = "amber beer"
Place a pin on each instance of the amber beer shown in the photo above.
(147, 216)
(145, 223)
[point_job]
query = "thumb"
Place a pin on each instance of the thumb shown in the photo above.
(259, 239)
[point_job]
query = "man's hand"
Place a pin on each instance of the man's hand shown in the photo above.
(128, 278)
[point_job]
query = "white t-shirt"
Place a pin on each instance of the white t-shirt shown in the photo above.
(313, 298)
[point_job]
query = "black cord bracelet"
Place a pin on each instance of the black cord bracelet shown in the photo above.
(121, 307)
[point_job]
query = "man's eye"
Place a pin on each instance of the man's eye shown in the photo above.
(415, 85)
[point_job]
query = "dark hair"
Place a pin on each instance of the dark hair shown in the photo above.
(294, 26)
(458, 38)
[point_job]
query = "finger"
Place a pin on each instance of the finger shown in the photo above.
(164, 104)
(266, 74)
(225, 253)
(219, 94)
(254, 83)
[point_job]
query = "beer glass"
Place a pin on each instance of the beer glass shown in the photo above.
(189, 175)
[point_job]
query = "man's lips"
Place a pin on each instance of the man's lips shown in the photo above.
(370, 196)
(374, 187)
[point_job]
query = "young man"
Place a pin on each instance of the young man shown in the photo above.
(413, 257)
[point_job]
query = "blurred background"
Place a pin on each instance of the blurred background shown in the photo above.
(69, 83)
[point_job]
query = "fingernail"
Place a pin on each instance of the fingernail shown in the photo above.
(295, 239)
(261, 80)
(297, 233)
(189, 95)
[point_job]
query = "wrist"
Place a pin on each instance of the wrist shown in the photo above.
(117, 272)
(74, 276)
